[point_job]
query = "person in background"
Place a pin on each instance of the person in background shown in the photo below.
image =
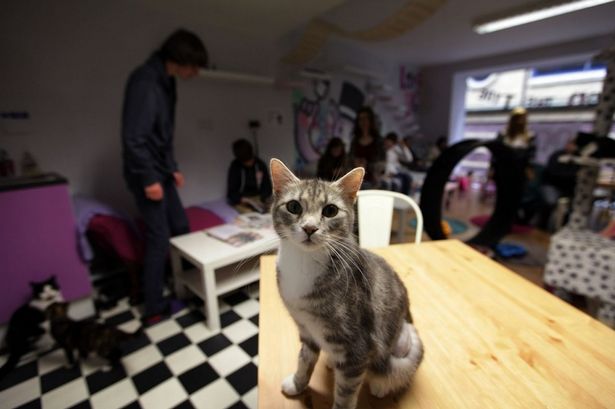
(396, 154)
(518, 136)
(334, 162)
(522, 141)
(366, 149)
(558, 181)
(436, 150)
(150, 169)
(248, 184)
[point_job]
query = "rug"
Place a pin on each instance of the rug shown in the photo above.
(481, 220)
(456, 225)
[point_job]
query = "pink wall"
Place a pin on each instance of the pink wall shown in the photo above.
(38, 240)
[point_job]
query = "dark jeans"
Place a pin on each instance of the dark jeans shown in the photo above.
(163, 219)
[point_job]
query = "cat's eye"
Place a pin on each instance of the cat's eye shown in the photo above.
(329, 210)
(294, 207)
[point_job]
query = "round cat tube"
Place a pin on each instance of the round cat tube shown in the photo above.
(509, 180)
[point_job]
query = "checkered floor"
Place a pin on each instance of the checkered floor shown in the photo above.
(177, 363)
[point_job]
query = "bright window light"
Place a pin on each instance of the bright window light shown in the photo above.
(541, 14)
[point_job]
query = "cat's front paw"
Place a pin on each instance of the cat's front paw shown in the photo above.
(378, 389)
(289, 387)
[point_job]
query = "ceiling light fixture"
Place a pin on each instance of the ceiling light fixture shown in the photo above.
(532, 12)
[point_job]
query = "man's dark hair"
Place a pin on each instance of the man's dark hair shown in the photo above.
(184, 48)
(242, 149)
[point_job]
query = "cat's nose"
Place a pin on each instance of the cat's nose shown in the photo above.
(309, 230)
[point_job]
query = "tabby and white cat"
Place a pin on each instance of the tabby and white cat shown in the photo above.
(346, 301)
(26, 325)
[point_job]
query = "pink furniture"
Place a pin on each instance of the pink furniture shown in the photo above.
(37, 239)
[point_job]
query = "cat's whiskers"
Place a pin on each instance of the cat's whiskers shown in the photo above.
(339, 256)
(353, 251)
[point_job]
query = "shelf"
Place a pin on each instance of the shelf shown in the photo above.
(193, 280)
(231, 277)
(237, 77)
(228, 278)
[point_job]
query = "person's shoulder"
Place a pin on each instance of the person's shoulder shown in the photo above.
(262, 166)
(235, 164)
(144, 73)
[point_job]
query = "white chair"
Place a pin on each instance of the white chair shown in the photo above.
(375, 212)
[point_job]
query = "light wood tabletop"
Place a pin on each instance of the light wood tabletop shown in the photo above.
(492, 340)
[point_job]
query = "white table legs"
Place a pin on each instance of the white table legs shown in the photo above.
(176, 265)
(207, 289)
(212, 313)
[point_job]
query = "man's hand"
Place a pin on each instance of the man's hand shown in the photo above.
(179, 179)
(154, 192)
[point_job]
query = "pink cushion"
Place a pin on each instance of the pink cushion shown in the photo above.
(200, 218)
(115, 234)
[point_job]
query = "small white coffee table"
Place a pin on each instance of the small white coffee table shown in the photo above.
(220, 267)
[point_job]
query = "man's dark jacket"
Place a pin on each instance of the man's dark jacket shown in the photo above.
(148, 119)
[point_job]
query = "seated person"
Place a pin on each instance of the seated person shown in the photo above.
(397, 153)
(559, 180)
(333, 163)
(249, 184)
(436, 149)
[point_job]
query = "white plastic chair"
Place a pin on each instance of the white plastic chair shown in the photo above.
(375, 212)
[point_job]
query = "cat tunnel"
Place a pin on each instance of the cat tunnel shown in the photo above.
(508, 176)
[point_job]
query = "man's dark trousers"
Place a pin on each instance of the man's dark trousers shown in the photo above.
(163, 219)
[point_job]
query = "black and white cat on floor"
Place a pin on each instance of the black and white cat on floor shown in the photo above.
(86, 336)
(345, 300)
(26, 324)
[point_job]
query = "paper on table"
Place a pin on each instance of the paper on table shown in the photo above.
(233, 234)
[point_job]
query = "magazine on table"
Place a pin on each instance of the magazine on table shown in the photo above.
(233, 234)
(254, 221)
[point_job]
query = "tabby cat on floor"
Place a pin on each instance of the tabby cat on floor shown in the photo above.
(86, 336)
(346, 301)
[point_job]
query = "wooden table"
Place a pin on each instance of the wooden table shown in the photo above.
(492, 340)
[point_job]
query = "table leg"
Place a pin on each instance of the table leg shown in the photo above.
(176, 265)
(401, 225)
(212, 312)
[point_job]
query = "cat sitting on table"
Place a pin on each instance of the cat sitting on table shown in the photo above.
(346, 301)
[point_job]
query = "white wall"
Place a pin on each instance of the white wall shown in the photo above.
(66, 63)
(442, 87)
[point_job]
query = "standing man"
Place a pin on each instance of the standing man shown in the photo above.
(150, 170)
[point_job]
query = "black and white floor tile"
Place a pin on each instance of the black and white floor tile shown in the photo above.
(178, 363)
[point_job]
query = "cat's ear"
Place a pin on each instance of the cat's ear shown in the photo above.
(350, 183)
(281, 176)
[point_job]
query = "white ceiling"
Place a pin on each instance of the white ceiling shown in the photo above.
(445, 37)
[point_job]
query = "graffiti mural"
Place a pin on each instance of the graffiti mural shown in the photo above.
(320, 117)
